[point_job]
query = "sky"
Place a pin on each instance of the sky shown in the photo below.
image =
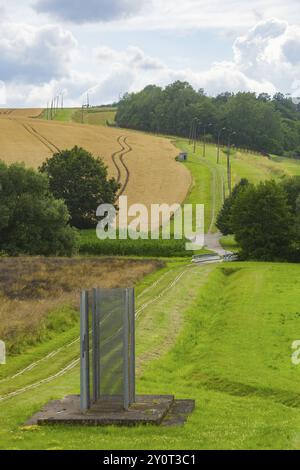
(110, 47)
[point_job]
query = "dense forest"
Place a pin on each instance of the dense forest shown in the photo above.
(260, 122)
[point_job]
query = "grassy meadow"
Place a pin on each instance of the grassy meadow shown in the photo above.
(100, 116)
(210, 345)
(39, 296)
(210, 179)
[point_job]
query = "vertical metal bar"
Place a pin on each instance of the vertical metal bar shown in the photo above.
(132, 345)
(98, 302)
(95, 354)
(84, 352)
(126, 349)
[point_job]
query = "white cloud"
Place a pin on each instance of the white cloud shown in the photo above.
(2, 93)
(37, 95)
(31, 54)
(131, 70)
(143, 15)
(89, 11)
(37, 62)
(265, 59)
(133, 57)
(270, 50)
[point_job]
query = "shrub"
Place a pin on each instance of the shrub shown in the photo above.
(32, 221)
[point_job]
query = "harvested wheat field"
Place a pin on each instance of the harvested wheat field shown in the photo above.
(144, 165)
(34, 290)
(21, 113)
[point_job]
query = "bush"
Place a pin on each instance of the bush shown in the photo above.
(263, 223)
(32, 222)
(81, 181)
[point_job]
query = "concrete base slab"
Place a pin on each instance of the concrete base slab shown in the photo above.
(148, 409)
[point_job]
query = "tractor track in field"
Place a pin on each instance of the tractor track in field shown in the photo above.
(118, 161)
(128, 150)
(57, 149)
(6, 112)
(75, 362)
(47, 143)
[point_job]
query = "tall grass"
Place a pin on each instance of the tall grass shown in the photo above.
(91, 245)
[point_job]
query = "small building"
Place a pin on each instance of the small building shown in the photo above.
(182, 157)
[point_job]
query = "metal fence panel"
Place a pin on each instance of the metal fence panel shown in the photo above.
(113, 346)
(84, 352)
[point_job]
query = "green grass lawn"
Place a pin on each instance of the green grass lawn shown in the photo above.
(228, 243)
(222, 336)
(97, 116)
(208, 182)
(210, 178)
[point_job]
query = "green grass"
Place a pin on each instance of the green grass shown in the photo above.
(96, 116)
(210, 178)
(207, 342)
(91, 245)
(62, 115)
(229, 243)
(208, 183)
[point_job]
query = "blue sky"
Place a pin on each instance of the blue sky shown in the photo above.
(109, 47)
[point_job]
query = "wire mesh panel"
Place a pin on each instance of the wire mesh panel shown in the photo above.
(113, 362)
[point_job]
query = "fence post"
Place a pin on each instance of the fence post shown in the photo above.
(84, 352)
(132, 345)
(95, 336)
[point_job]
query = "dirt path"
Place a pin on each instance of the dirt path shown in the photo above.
(212, 242)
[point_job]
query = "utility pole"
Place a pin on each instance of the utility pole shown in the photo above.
(204, 139)
(191, 132)
(197, 123)
(218, 149)
(228, 162)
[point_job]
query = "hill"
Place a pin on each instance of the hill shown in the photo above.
(210, 344)
(144, 164)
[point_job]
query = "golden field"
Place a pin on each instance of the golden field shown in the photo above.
(149, 169)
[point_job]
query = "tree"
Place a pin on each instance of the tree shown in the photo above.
(32, 221)
(81, 181)
(224, 223)
(291, 186)
(262, 222)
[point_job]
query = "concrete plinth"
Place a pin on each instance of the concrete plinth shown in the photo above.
(148, 409)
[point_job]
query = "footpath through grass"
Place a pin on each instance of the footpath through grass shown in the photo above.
(202, 340)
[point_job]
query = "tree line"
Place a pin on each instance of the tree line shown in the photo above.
(261, 123)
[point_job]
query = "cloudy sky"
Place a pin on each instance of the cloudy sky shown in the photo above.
(109, 47)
